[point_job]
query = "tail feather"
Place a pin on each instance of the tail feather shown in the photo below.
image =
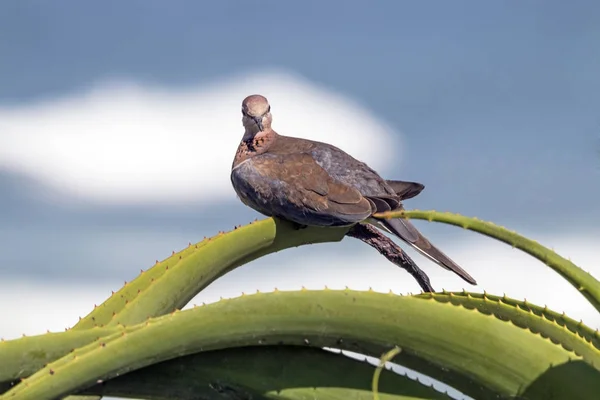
(406, 231)
(405, 189)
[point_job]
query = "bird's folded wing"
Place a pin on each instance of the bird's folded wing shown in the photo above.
(308, 185)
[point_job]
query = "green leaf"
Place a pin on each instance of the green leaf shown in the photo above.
(484, 355)
(172, 283)
(22, 357)
(583, 281)
(268, 372)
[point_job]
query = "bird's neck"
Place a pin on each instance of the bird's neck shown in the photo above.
(253, 145)
(258, 139)
(252, 131)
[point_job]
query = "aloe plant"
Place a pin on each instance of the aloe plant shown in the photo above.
(139, 344)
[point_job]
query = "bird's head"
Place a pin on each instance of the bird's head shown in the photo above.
(256, 114)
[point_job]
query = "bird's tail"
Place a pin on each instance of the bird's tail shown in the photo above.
(406, 231)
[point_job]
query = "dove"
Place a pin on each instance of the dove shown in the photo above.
(311, 183)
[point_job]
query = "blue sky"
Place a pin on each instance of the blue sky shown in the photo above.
(508, 86)
(492, 105)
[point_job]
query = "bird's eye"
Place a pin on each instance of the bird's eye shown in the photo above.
(269, 109)
(243, 112)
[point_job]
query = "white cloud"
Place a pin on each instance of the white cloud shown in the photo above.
(122, 142)
(34, 307)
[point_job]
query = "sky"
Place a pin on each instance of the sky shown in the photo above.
(119, 122)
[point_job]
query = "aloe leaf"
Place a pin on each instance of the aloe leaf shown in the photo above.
(21, 357)
(583, 281)
(492, 353)
(569, 333)
(161, 380)
(269, 372)
(172, 283)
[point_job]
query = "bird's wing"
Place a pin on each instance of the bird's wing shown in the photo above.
(349, 183)
(307, 185)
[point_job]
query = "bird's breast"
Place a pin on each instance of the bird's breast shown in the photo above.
(255, 187)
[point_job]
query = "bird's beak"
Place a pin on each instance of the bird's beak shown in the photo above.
(258, 121)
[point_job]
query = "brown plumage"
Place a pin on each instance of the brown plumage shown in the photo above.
(314, 183)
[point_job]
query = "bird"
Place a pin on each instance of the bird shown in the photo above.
(310, 183)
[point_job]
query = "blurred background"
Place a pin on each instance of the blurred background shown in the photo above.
(119, 122)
